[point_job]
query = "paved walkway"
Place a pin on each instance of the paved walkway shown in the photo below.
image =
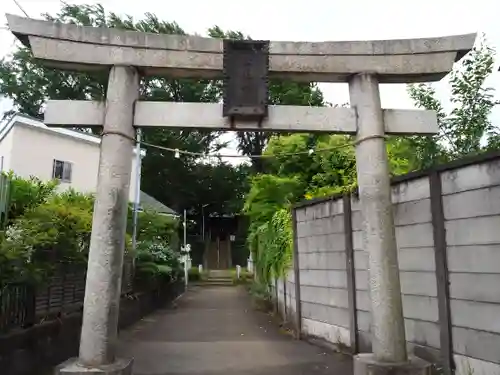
(215, 330)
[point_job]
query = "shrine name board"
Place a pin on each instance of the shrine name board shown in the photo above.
(246, 71)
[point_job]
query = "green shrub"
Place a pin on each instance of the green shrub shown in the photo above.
(46, 228)
(27, 193)
(272, 246)
(154, 226)
(245, 276)
(157, 251)
(260, 291)
(195, 275)
(56, 231)
(270, 231)
(261, 297)
(156, 259)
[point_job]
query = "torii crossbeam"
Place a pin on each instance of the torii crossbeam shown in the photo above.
(208, 116)
(129, 54)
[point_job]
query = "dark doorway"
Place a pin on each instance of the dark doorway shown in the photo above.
(219, 254)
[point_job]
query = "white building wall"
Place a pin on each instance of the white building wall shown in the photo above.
(6, 151)
(33, 150)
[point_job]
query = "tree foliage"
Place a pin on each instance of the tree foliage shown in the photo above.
(158, 247)
(26, 194)
(55, 230)
(323, 165)
(182, 183)
(294, 166)
(175, 182)
(466, 128)
(269, 235)
(272, 245)
(299, 166)
(48, 229)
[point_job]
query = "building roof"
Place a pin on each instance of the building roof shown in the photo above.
(34, 123)
(150, 203)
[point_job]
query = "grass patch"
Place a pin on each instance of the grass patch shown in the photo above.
(195, 275)
(245, 277)
(261, 298)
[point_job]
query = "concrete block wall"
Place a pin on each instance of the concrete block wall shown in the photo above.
(281, 290)
(322, 272)
(362, 292)
(414, 235)
(290, 297)
(471, 205)
(448, 238)
(286, 296)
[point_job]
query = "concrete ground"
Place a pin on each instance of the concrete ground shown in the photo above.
(215, 330)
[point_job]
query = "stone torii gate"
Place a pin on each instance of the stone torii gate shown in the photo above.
(245, 68)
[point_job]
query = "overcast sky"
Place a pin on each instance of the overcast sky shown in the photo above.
(312, 20)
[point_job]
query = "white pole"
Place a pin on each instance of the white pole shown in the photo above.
(185, 229)
(137, 198)
(203, 222)
(186, 274)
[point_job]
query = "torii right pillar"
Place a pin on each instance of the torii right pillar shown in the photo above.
(379, 237)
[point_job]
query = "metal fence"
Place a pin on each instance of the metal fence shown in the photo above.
(4, 198)
(23, 305)
(14, 309)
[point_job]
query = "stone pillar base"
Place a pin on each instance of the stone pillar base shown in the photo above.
(72, 367)
(366, 364)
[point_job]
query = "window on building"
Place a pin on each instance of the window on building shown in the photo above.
(61, 170)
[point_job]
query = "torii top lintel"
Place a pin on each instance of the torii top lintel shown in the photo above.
(90, 48)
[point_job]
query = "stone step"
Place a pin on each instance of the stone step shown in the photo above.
(220, 279)
(220, 273)
(212, 283)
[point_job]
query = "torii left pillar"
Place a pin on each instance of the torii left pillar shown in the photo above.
(99, 334)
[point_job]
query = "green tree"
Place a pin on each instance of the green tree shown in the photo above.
(463, 129)
(326, 164)
(220, 180)
(336, 166)
(323, 163)
(172, 181)
(269, 192)
(290, 156)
